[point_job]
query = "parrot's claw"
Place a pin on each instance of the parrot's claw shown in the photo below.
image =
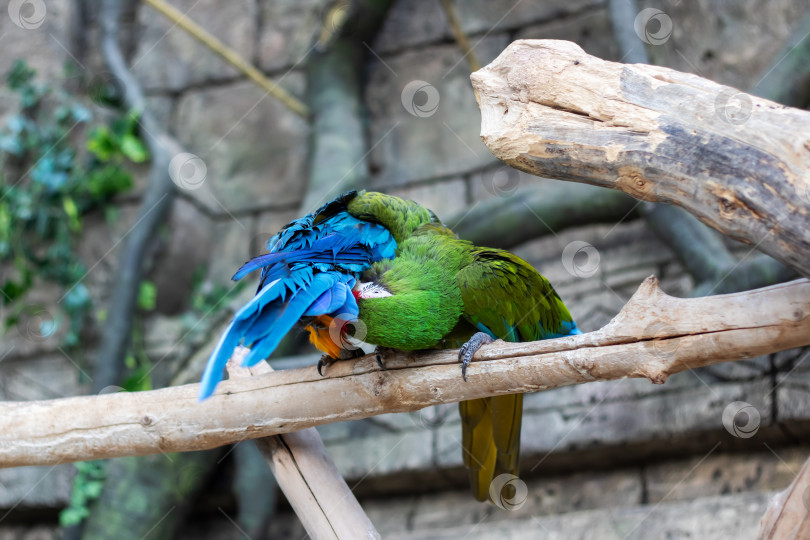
(468, 350)
(378, 356)
(323, 362)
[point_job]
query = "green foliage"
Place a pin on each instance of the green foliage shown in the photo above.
(147, 296)
(86, 488)
(50, 178)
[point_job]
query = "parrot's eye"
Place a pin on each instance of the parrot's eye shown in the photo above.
(371, 290)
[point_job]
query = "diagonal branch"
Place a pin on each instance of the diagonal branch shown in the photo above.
(737, 162)
(308, 477)
(654, 336)
(230, 56)
(788, 515)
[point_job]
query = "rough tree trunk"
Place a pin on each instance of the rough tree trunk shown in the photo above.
(739, 163)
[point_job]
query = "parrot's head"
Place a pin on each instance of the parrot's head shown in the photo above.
(371, 289)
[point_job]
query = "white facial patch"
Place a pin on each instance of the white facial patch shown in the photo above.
(371, 290)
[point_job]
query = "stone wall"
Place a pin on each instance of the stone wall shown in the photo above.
(623, 459)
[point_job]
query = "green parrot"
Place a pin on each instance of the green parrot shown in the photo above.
(393, 265)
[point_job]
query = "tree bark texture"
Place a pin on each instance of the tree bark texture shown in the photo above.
(654, 336)
(739, 163)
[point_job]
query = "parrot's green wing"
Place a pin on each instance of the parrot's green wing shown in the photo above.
(508, 299)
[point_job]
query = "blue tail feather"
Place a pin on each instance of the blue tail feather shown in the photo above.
(308, 271)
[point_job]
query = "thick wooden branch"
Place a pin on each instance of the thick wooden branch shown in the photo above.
(654, 336)
(308, 477)
(739, 163)
(788, 515)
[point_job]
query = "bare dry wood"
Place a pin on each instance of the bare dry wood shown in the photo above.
(654, 336)
(788, 515)
(739, 163)
(308, 477)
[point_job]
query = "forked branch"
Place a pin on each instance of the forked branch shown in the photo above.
(654, 336)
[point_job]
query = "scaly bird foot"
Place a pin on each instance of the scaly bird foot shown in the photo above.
(345, 354)
(324, 361)
(468, 350)
(378, 352)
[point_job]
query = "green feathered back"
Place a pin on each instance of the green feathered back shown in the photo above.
(443, 291)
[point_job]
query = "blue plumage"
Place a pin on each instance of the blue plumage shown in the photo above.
(309, 270)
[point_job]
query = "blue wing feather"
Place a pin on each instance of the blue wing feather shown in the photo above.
(309, 270)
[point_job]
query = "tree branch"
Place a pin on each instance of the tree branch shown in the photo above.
(788, 515)
(509, 221)
(552, 110)
(654, 336)
(308, 477)
(154, 209)
(230, 56)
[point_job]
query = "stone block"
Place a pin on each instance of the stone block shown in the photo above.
(168, 59)
(288, 31)
(229, 250)
(723, 474)
(414, 23)
(385, 453)
(710, 518)
(254, 150)
(49, 376)
(591, 29)
(36, 34)
(439, 136)
(186, 249)
(25, 488)
(730, 43)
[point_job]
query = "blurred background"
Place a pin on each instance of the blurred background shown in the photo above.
(140, 169)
